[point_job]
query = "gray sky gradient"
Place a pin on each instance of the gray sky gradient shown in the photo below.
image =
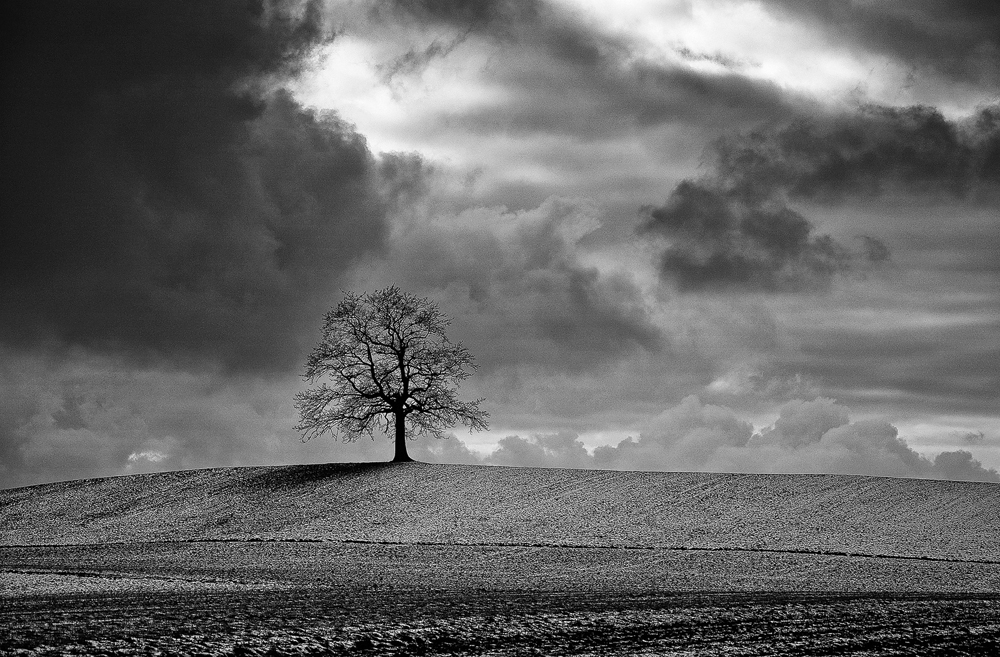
(709, 235)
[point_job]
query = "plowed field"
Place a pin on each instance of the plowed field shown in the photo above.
(449, 560)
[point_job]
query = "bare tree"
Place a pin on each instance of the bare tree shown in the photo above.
(390, 368)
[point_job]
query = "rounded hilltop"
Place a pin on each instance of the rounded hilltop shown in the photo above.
(464, 504)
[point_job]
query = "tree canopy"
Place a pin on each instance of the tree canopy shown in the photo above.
(385, 365)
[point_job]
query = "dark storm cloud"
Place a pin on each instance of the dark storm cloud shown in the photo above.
(735, 228)
(960, 39)
(723, 241)
(158, 196)
(872, 152)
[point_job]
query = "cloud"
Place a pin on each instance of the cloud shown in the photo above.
(565, 337)
(764, 382)
(448, 449)
(814, 436)
(818, 436)
(924, 345)
(736, 228)
(162, 196)
(581, 82)
(719, 58)
(558, 450)
(805, 422)
(973, 437)
(720, 241)
(481, 15)
(680, 438)
(564, 74)
(960, 466)
(872, 152)
(416, 60)
(75, 414)
(519, 287)
(958, 40)
(539, 98)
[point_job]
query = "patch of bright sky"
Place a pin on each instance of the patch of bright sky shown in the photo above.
(400, 114)
(408, 113)
(930, 437)
(484, 443)
(794, 56)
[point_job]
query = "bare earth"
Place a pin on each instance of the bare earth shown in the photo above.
(498, 561)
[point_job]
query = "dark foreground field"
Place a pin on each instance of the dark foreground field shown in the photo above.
(317, 622)
(450, 560)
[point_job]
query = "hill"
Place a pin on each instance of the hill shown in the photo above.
(489, 505)
(382, 560)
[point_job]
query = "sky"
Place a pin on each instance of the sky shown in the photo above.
(719, 235)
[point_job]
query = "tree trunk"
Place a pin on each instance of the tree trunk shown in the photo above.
(401, 454)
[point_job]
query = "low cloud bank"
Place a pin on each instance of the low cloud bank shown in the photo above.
(815, 436)
(79, 415)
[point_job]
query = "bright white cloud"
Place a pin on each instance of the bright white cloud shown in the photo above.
(404, 113)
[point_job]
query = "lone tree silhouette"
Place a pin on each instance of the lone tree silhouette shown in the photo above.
(391, 369)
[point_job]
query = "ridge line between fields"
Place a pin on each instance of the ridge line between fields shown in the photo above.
(678, 548)
(570, 546)
(110, 574)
